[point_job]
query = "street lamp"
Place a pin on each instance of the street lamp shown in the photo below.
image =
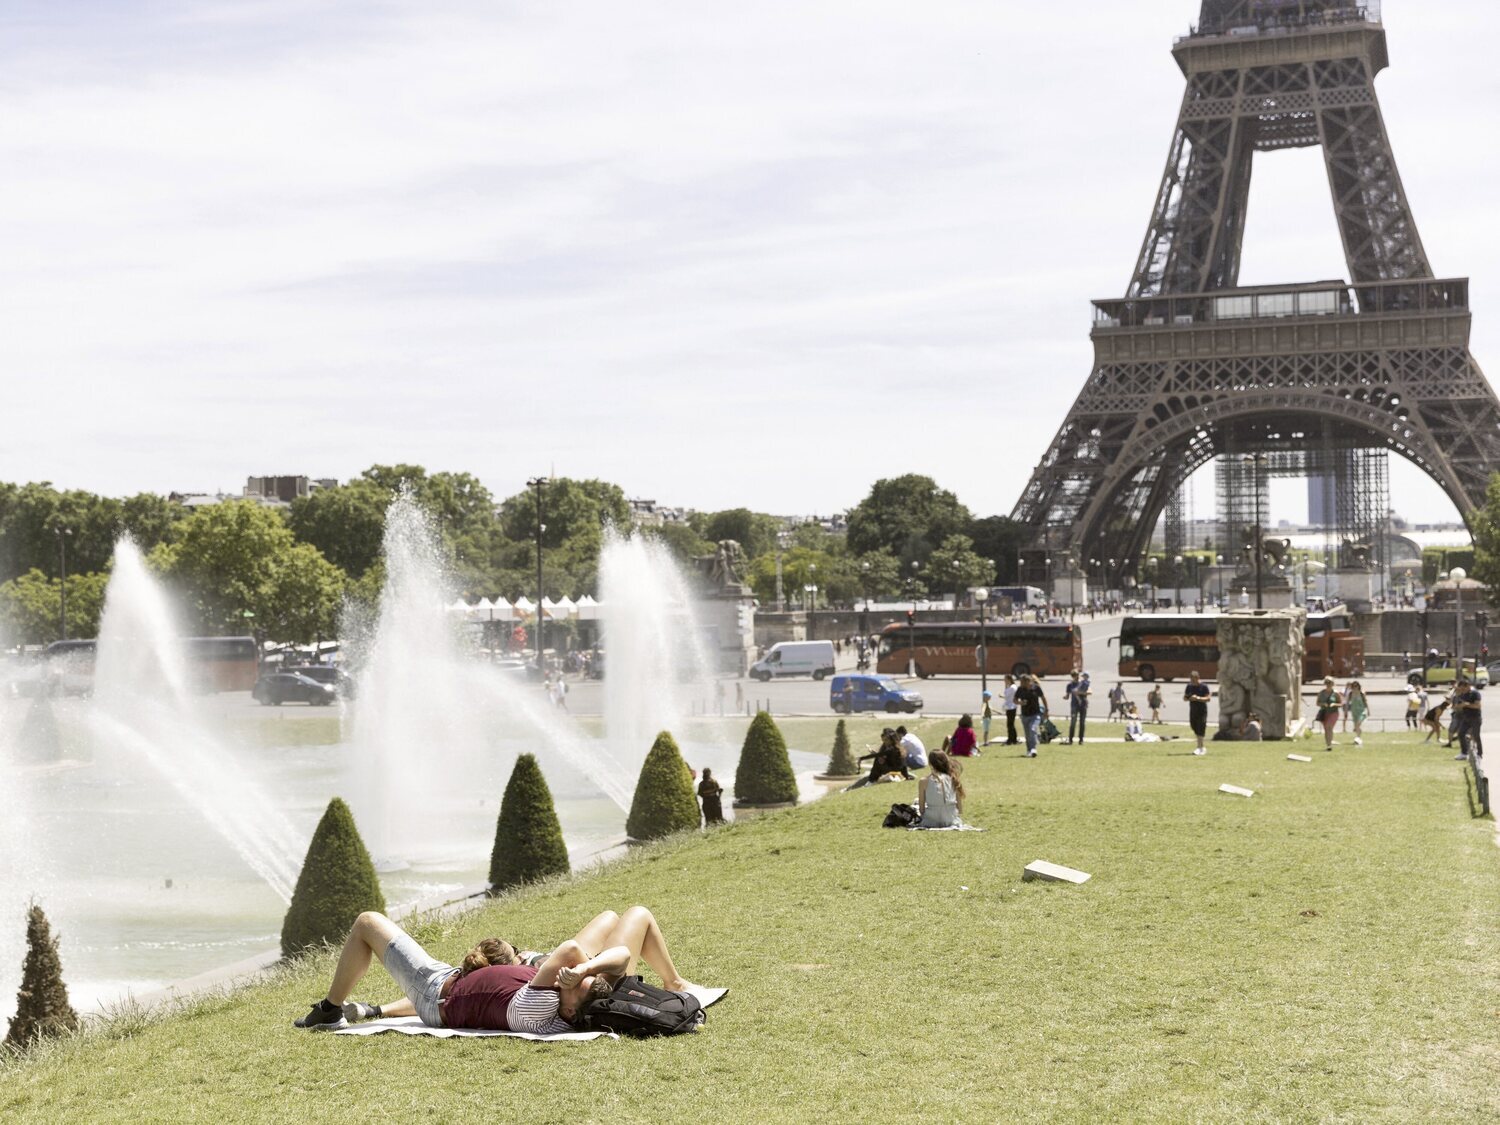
(911, 623)
(1177, 580)
(810, 600)
(1219, 574)
(982, 595)
(1256, 460)
(63, 534)
(1151, 581)
(864, 611)
(539, 483)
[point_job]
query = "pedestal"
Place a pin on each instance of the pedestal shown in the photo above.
(1260, 669)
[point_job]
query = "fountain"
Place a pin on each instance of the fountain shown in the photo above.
(655, 658)
(436, 728)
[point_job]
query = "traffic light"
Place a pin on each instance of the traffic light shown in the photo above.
(911, 617)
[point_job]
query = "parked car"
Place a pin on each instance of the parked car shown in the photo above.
(276, 688)
(871, 693)
(1446, 672)
(341, 681)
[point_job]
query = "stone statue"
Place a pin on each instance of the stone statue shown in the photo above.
(729, 563)
(1260, 669)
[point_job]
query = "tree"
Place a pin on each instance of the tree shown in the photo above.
(29, 607)
(664, 800)
(570, 508)
(528, 838)
(42, 1008)
(879, 574)
(954, 566)
(238, 562)
(336, 885)
(680, 538)
(755, 532)
(347, 524)
(1486, 526)
(764, 776)
(907, 515)
(841, 762)
(1000, 539)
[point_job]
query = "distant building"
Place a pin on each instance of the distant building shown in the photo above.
(649, 513)
(284, 489)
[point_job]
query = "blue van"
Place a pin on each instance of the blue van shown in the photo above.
(851, 694)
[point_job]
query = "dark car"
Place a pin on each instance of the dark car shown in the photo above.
(338, 679)
(276, 688)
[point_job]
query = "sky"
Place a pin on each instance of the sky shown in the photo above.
(722, 255)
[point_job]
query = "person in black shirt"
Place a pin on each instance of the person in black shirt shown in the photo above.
(1197, 695)
(888, 759)
(1030, 700)
(1467, 704)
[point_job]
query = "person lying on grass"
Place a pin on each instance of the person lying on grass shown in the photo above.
(490, 990)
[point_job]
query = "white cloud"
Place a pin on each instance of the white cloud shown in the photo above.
(660, 243)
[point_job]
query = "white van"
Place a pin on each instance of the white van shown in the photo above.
(795, 658)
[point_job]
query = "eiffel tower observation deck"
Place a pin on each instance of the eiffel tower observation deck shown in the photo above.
(1190, 366)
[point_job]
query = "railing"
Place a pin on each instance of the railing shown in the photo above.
(1386, 298)
(1481, 783)
(1283, 17)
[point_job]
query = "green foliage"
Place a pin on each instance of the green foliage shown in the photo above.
(1486, 525)
(29, 607)
(240, 569)
(764, 775)
(664, 799)
(528, 839)
(336, 885)
(755, 532)
(841, 762)
(42, 1008)
(32, 515)
(955, 566)
(879, 574)
(1437, 561)
(908, 515)
(681, 540)
(1000, 539)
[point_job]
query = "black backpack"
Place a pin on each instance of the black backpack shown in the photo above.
(642, 1010)
(901, 816)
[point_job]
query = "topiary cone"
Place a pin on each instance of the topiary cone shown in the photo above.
(337, 884)
(528, 839)
(764, 776)
(841, 762)
(42, 1008)
(664, 799)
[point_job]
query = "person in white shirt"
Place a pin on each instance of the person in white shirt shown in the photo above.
(1010, 711)
(912, 749)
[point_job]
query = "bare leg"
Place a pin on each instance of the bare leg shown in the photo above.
(594, 937)
(371, 934)
(639, 932)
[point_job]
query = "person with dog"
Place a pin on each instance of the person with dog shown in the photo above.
(490, 990)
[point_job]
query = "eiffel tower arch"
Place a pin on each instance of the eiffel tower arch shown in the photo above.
(1189, 366)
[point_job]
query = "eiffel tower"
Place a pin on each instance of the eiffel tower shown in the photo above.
(1189, 366)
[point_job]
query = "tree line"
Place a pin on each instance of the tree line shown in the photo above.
(287, 574)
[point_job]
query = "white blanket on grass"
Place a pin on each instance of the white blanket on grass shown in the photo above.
(411, 1025)
(949, 828)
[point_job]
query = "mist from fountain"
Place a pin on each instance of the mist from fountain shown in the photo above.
(435, 726)
(144, 706)
(654, 656)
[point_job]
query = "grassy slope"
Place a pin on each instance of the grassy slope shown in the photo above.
(1326, 950)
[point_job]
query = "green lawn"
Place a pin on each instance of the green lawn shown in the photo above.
(1326, 950)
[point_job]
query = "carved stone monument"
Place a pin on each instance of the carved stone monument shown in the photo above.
(726, 608)
(1260, 669)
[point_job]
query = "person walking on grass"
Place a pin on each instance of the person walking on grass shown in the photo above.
(1031, 700)
(1330, 705)
(1468, 704)
(1357, 707)
(1197, 694)
(1009, 700)
(490, 990)
(711, 793)
(1116, 702)
(1077, 691)
(1154, 701)
(1413, 707)
(984, 718)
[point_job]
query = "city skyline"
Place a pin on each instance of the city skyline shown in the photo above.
(789, 252)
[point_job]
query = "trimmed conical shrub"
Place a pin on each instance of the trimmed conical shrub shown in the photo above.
(764, 776)
(337, 884)
(42, 1008)
(528, 839)
(841, 762)
(664, 798)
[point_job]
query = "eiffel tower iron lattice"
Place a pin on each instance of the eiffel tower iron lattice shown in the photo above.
(1189, 366)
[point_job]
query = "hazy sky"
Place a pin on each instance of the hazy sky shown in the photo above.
(721, 254)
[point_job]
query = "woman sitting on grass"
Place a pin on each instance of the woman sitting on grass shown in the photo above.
(940, 795)
(490, 990)
(961, 742)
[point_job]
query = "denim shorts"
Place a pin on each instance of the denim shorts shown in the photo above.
(419, 975)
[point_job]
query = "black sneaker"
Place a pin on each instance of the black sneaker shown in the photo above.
(323, 1017)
